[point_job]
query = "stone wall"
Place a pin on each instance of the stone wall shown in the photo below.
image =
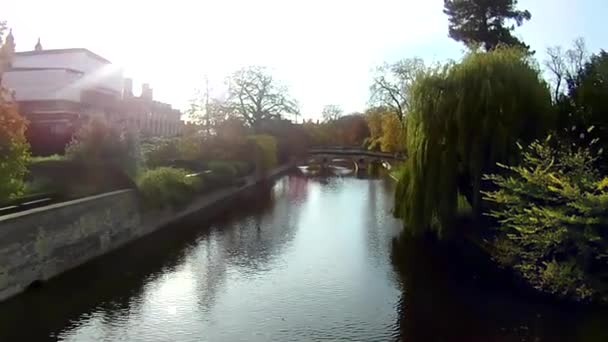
(38, 244)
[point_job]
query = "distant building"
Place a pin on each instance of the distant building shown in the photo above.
(59, 90)
(152, 118)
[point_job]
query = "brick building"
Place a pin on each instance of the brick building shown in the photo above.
(59, 90)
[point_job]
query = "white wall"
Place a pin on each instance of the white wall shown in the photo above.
(43, 85)
(96, 72)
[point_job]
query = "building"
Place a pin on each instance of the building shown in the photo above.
(61, 89)
(151, 118)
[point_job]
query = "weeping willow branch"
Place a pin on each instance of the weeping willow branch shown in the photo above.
(465, 117)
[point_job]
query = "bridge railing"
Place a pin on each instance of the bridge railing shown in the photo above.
(353, 150)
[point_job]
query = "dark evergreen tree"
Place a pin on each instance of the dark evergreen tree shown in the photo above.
(485, 22)
(584, 111)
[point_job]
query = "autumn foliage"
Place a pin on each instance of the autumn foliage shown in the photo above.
(14, 149)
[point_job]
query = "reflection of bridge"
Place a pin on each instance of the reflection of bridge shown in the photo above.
(360, 157)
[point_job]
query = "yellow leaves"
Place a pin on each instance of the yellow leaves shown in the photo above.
(393, 137)
(603, 184)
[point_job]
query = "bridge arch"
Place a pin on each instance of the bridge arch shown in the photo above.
(360, 157)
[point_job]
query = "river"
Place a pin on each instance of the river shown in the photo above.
(307, 259)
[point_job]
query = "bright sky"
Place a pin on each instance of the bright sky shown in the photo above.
(324, 50)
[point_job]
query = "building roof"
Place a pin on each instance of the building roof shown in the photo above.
(61, 51)
(44, 68)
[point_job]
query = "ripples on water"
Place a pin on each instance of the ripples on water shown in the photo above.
(307, 260)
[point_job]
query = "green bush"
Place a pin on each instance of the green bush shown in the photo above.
(166, 186)
(159, 152)
(14, 149)
(553, 221)
(229, 168)
(267, 147)
(99, 143)
(463, 119)
(586, 104)
(242, 168)
(224, 168)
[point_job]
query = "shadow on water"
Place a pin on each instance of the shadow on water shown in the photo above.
(115, 283)
(447, 298)
(305, 258)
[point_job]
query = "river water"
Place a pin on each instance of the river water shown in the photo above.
(306, 259)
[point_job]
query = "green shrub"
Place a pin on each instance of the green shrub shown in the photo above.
(463, 119)
(224, 168)
(242, 168)
(99, 143)
(14, 149)
(230, 168)
(166, 186)
(267, 146)
(159, 152)
(553, 221)
(39, 186)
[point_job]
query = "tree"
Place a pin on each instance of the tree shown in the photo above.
(331, 113)
(589, 100)
(583, 102)
(14, 149)
(255, 96)
(483, 22)
(552, 219)
(98, 143)
(592, 91)
(356, 130)
(465, 118)
(209, 114)
(2, 29)
(557, 66)
(7, 49)
(564, 66)
(393, 134)
(318, 133)
(373, 117)
(391, 86)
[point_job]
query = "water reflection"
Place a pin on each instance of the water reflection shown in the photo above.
(306, 259)
(447, 299)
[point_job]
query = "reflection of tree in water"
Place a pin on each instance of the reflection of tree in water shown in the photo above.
(380, 224)
(446, 299)
(261, 235)
(249, 238)
(107, 289)
(113, 288)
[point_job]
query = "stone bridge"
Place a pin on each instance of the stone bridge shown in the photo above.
(361, 158)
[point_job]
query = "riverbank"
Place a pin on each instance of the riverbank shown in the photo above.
(274, 266)
(39, 244)
(475, 250)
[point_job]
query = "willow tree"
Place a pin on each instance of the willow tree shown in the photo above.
(465, 117)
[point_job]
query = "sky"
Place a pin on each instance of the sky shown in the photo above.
(323, 50)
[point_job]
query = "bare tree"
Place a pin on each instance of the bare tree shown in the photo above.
(207, 110)
(557, 66)
(332, 113)
(256, 96)
(391, 86)
(566, 65)
(576, 58)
